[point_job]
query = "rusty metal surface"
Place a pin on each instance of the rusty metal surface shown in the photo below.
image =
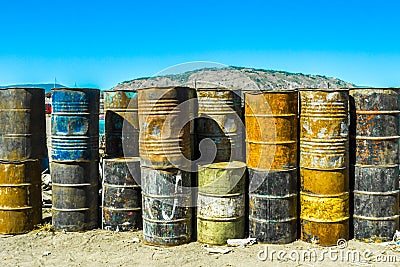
(221, 202)
(75, 195)
(121, 123)
(22, 136)
(75, 124)
(121, 194)
(20, 196)
(271, 129)
(220, 119)
(273, 206)
(163, 141)
(375, 134)
(324, 165)
(166, 204)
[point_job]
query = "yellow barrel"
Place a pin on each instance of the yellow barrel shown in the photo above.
(221, 202)
(166, 125)
(324, 162)
(220, 119)
(20, 196)
(271, 129)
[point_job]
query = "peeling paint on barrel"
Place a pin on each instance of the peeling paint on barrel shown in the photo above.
(376, 170)
(220, 119)
(121, 195)
(166, 206)
(324, 165)
(121, 123)
(221, 202)
(75, 195)
(20, 196)
(22, 135)
(75, 124)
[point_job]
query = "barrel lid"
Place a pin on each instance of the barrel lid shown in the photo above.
(24, 88)
(217, 89)
(120, 90)
(324, 89)
(123, 159)
(371, 90)
(165, 88)
(257, 92)
(224, 165)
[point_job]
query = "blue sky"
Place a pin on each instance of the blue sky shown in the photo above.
(100, 43)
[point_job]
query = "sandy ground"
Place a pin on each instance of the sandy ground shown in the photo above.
(104, 248)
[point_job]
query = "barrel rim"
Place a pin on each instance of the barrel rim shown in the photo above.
(121, 159)
(324, 89)
(83, 89)
(373, 88)
(271, 91)
(165, 88)
(19, 162)
(23, 88)
(120, 90)
(218, 89)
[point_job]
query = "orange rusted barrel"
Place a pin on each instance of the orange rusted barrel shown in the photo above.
(20, 196)
(220, 119)
(166, 126)
(271, 143)
(324, 170)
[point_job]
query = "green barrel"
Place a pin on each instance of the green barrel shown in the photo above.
(221, 202)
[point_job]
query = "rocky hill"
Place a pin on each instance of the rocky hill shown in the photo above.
(238, 77)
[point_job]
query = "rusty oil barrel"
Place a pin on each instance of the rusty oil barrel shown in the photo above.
(376, 163)
(166, 127)
(221, 202)
(324, 170)
(121, 195)
(75, 124)
(220, 119)
(22, 135)
(75, 195)
(20, 196)
(121, 123)
(271, 145)
(166, 204)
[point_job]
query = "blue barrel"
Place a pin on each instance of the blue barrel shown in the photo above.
(75, 124)
(22, 133)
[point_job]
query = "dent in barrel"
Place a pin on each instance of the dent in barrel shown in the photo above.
(122, 200)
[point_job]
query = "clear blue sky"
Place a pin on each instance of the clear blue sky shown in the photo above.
(100, 43)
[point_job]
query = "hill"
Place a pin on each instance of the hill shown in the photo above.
(238, 78)
(46, 86)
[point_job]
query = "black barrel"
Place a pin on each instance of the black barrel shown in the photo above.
(121, 195)
(167, 216)
(22, 133)
(375, 133)
(273, 206)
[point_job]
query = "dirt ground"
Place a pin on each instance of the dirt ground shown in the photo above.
(104, 248)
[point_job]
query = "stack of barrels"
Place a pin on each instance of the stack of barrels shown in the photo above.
(22, 146)
(165, 148)
(121, 196)
(221, 171)
(271, 144)
(324, 170)
(375, 133)
(75, 158)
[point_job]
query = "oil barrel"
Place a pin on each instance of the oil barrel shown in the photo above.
(324, 165)
(74, 195)
(23, 135)
(376, 163)
(166, 127)
(121, 123)
(166, 204)
(221, 202)
(121, 194)
(75, 124)
(220, 120)
(20, 196)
